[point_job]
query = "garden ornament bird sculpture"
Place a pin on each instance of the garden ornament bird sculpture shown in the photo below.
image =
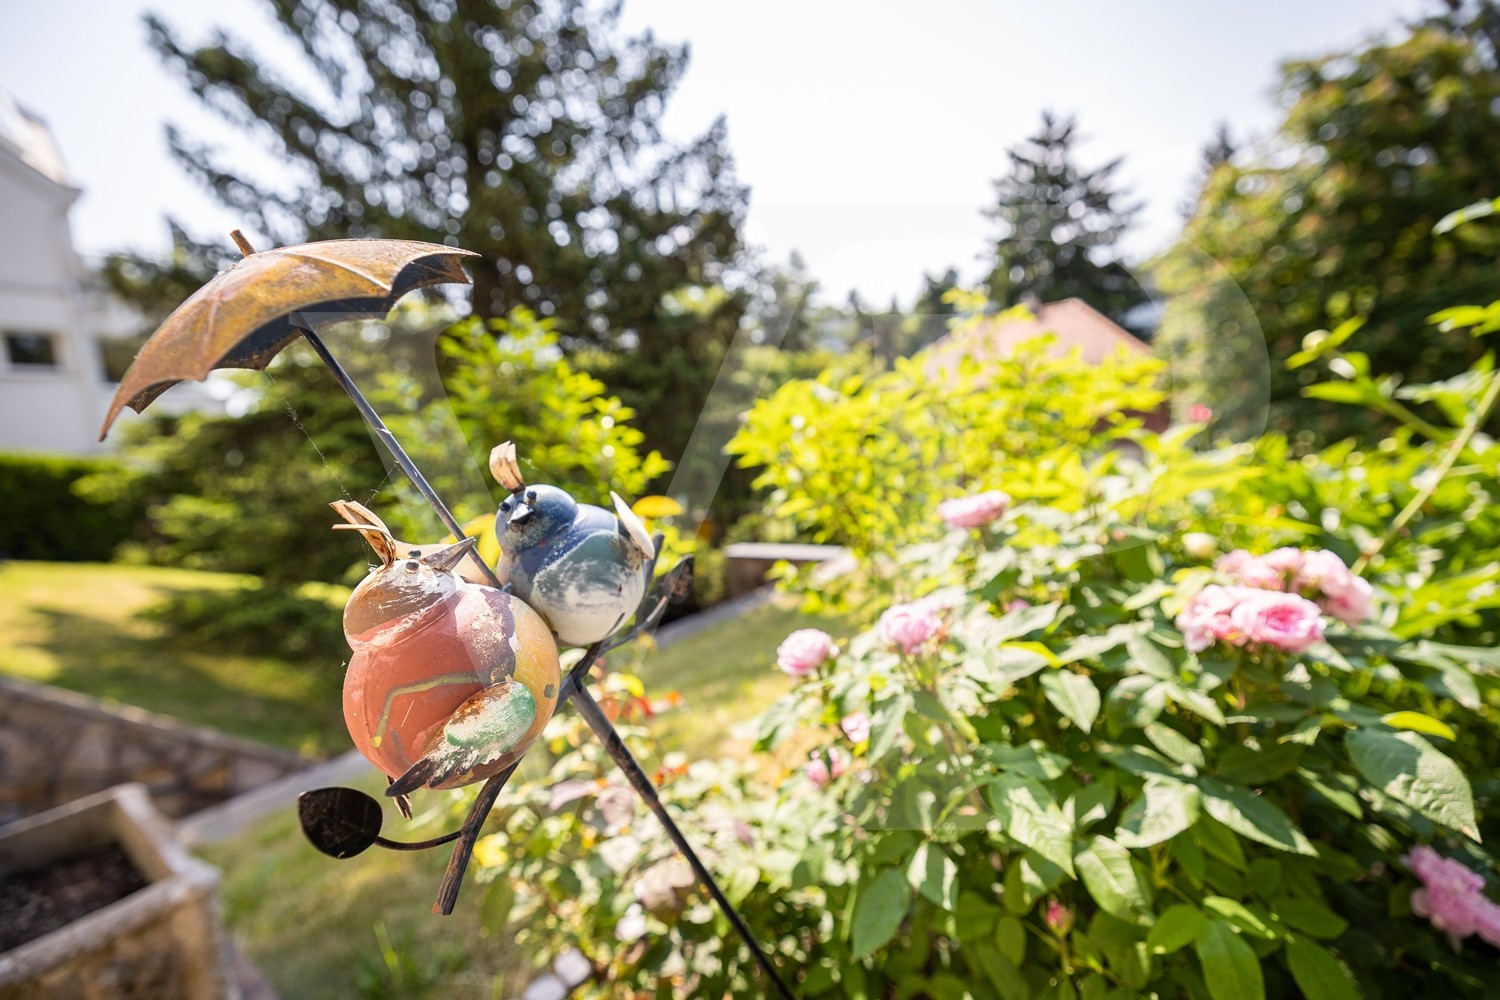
(582, 568)
(450, 681)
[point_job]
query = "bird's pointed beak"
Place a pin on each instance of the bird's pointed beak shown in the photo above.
(444, 559)
(520, 515)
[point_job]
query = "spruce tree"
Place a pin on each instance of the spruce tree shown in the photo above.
(1059, 225)
(527, 131)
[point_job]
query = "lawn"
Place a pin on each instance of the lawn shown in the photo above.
(79, 626)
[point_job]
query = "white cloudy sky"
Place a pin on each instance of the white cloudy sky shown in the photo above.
(868, 132)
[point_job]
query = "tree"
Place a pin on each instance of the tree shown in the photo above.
(1334, 220)
(1060, 224)
(528, 131)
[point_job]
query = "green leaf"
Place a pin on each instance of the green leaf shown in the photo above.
(1341, 798)
(1241, 917)
(1409, 769)
(935, 875)
(1074, 695)
(882, 905)
(1106, 871)
(1092, 645)
(1033, 759)
(1419, 723)
(1003, 973)
(1135, 701)
(1230, 969)
(1175, 745)
(1309, 917)
(1251, 816)
(1196, 702)
(1030, 816)
(1147, 658)
(1258, 765)
(1318, 973)
(1165, 808)
(1010, 938)
(885, 724)
(1175, 928)
(975, 916)
(1468, 213)
(1027, 879)
(1091, 803)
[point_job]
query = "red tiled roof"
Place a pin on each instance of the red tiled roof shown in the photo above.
(1075, 323)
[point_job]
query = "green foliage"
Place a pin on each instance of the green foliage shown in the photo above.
(861, 460)
(1055, 794)
(1377, 147)
(46, 514)
(509, 381)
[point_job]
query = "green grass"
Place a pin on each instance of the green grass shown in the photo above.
(79, 626)
(362, 927)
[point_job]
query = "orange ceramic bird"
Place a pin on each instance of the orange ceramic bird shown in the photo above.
(450, 681)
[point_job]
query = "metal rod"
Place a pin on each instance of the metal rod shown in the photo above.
(403, 460)
(615, 746)
(419, 845)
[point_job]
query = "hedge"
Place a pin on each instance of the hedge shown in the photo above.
(41, 516)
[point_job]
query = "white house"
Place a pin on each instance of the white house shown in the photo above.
(63, 341)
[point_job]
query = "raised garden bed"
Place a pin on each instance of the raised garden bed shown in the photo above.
(99, 901)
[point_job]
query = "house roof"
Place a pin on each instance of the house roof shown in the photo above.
(1075, 323)
(28, 138)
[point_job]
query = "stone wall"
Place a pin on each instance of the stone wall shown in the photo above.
(57, 746)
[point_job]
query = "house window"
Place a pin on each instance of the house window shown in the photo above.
(32, 350)
(117, 353)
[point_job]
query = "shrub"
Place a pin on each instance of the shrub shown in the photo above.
(861, 460)
(1089, 746)
(42, 516)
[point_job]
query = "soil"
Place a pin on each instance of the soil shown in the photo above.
(36, 902)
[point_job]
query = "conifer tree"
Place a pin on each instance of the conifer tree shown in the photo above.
(1060, 224)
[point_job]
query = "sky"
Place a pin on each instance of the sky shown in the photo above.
(869, 133)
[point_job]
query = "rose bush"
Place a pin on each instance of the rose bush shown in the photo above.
(1214, 723)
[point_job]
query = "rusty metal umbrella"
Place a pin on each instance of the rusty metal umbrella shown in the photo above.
(247, 315)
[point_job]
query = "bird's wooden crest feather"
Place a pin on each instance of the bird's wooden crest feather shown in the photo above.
(505, 468)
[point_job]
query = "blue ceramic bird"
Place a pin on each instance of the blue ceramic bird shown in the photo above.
(584, 569)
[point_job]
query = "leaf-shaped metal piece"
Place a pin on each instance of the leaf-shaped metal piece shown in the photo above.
(340, 822)
(243, 317)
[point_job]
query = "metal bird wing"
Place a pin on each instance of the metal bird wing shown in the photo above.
(244, 317)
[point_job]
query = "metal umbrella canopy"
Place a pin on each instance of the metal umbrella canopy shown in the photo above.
(247, 315)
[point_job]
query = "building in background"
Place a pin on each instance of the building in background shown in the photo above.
(64, 342)
(1074, 325)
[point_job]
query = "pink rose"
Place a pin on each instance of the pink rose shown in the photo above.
(1058, 918)
(1452, 896)
(823, 767)
(1342, 594)
(804, 651)
(1252, 571)
(974, 511)
(1284, 621)
(910, 626)
(1286, 560)
(1206, 619)
(856, 726)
